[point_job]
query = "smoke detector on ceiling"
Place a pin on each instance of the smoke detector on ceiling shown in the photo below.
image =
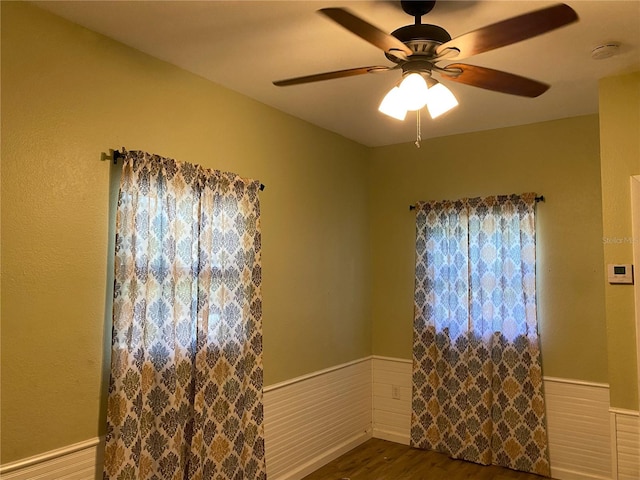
(606, 50)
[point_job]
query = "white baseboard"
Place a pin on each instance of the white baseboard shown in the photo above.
(564, 474)
(391, 436)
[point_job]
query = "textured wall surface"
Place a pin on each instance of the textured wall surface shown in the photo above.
(620, 159)
(67, 96)
(557, 159)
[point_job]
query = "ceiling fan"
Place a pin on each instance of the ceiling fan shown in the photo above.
(418, 48)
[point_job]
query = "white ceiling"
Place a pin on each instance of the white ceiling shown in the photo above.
(245, 45)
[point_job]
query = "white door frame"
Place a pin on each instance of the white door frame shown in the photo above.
(635, 225)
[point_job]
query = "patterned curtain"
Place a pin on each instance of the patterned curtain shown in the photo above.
(185, 396)
(477, 375)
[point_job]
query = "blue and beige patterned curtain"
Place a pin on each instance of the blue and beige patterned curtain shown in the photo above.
(477, 376)
(185, 396)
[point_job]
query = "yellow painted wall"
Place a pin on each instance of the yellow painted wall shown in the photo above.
(620, 159)
(68, 95)
(338, 238)
(559, 159)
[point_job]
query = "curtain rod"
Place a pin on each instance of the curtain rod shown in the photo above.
(539, 198)
(117, 155)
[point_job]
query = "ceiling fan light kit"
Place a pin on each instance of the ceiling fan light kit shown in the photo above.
(440, 100)
(416, 49)
(414, 92)
(392, 104)
(413, 89)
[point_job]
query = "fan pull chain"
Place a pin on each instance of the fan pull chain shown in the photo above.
(418, 129)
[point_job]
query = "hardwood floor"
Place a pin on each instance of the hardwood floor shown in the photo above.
(381, 460)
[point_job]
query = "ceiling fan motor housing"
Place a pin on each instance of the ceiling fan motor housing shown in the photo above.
(423, 39)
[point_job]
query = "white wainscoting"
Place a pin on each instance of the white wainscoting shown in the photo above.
(311, 420)
(392, 416)
(578, 421)
(81, 461)
(626, 442)
(578, 428)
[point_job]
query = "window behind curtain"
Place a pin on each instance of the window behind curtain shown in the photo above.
(477, 376)
(185, 396)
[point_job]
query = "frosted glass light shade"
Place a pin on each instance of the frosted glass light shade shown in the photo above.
(414, 91)
(440, 100)
(393, 104)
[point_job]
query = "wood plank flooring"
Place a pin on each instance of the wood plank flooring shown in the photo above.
(381, 460)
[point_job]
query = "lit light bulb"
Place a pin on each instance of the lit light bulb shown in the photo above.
(393, 105)
(440, 100)
(414, 91)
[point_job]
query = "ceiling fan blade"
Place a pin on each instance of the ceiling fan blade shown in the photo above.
(495, 80)
(330, 75)
(510, 31)
(368, 32)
